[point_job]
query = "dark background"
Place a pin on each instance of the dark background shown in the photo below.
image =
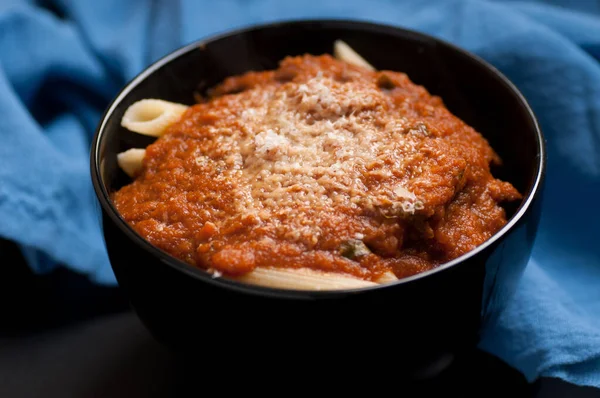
(61, 336)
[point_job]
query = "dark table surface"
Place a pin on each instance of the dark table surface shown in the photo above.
(61, 336)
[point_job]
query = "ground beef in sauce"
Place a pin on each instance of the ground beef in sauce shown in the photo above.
(317, 164)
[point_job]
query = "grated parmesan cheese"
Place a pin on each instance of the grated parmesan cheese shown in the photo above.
(319, 144)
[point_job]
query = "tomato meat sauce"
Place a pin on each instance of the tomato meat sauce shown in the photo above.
(318, 164)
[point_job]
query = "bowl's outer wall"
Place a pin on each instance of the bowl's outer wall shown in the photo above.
(440, 312)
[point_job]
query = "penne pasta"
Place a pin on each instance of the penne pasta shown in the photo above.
(302, 279)
(130, 161)
(387, 278)
(344, 52)
(151, 116)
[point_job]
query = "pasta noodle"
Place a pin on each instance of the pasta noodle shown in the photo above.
(130, 161)
(344, 52)
(152, 116)
(302, 279)
(387, 277)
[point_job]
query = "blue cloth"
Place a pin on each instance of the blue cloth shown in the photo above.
(62, 62)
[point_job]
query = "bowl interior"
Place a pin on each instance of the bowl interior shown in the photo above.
(473, 91)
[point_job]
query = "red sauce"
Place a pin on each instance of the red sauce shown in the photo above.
(317, 164)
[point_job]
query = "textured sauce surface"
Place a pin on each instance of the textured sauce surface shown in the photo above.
(317, 164)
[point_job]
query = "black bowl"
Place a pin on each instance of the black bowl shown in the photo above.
(423, 318)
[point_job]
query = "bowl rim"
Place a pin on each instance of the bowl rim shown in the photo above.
(354, 24)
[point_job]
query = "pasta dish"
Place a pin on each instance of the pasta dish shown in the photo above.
(322, 174)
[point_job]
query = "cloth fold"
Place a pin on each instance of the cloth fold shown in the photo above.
(62, 61)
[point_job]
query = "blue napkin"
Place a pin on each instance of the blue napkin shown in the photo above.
(62, 62)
